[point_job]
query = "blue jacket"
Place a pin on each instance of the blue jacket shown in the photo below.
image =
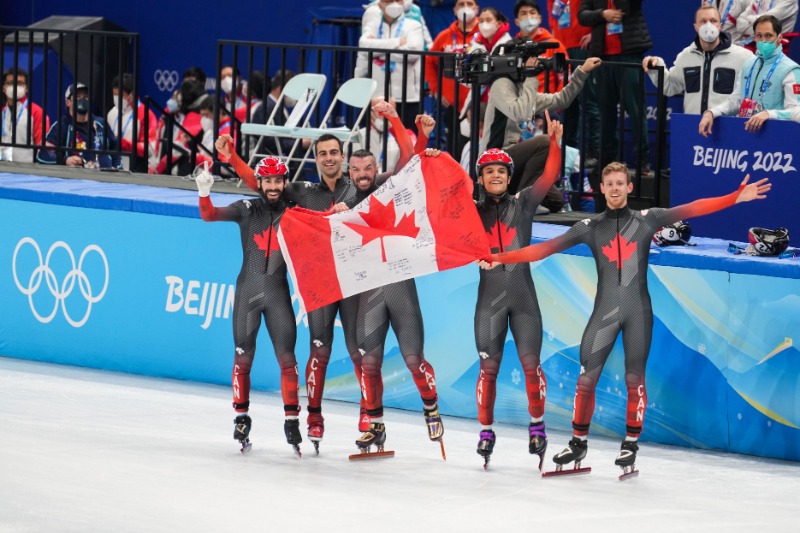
(62, 134)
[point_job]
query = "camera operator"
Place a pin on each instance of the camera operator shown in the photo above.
(511, 103)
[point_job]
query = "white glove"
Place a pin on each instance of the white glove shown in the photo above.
(204, 181)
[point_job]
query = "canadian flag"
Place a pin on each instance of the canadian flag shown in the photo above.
(422, 220)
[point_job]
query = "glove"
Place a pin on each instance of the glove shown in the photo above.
(204, 181)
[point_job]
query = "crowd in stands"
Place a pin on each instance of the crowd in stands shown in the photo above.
(737, 64)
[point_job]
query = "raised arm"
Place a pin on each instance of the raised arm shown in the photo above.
(425, 125)
(208, 212)
(745, 193)
(224, 144)
(552, 169)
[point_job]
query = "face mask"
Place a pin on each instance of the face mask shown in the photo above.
(10, 92)
(82, 106)
(172, 105)
(765, 48)
(394, 10)
(207, 123)
(465, 12)
(708, 32)
(227, 84)
(289, 102)
(407, 5)
(126, 106)
(464, 127)
(529, 24)
(487, 29)
(379, 125)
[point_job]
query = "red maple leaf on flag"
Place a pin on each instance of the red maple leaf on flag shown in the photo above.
(500, 234)
(264, 242)
(380, 223)
(619, 254)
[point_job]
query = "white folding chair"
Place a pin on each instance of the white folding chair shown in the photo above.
(306, 89)
(355, 93)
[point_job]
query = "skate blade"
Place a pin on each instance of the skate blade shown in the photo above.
(316, 446)
(296, 448)
(570, 472)
(444, 455)
(246, 446)
(541, 463)
(371, 455)
(629, 472)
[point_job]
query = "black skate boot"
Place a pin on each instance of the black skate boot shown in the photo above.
(241, 431)
(575, 451)
(627, 459)
(291, 427)
(486, 446)
(538, 441)
(375, 435)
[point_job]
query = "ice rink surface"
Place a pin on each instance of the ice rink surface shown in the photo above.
(91, 451)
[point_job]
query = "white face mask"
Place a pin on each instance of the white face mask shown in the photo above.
(126, 106)
(465, 12)
(708, 32)
(464, 127)
(529, 24)
(227, 84)
(407, 5)
(487, 29)
(10, 92)
(394, 10)
(207, 123)
(379, 125)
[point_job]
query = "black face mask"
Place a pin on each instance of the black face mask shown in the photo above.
(81, 106)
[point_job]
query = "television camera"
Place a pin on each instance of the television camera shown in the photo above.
(482, 68)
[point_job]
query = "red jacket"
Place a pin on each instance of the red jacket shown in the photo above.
(571, 36)
(449, 40)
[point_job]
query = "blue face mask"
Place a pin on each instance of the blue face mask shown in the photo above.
(765, 48)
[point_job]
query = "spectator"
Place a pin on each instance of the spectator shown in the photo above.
(237, 96)
(79, 135)
(262, 113)
(190, 74)
(755, 96)
(493, 31)
(528, 18)
(412, 11)
(190, 133)
(394, 31)
(783, 10)
(711, 58)
(454, 39)
(566, 28)
(619, 34)
(255, 95)
(123, 129)
(22, 119)
(466, 124)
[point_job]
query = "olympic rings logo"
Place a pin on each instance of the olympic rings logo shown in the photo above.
(63, 291)
(166, 80)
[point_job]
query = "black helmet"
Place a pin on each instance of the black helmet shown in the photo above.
(767, 242)
(676, 233)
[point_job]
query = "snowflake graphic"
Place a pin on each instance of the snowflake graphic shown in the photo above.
(515, 377)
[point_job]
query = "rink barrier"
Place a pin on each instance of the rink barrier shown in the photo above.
(128, 278)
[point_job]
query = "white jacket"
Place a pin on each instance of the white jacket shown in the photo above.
(687, 74)
(379, 34)
(783, 10)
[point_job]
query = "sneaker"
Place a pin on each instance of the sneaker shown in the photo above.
(292, 429)
(538, 438)
(316, 427)
(486, 443)
(363, 420)
(627, 453)
(434, 422)
(375, 434)
(241, 427)
(575, 451)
